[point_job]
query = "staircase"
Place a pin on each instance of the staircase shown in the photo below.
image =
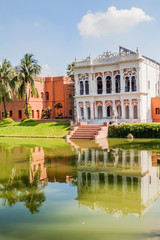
(88, 131)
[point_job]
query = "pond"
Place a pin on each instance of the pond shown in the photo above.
(108, 189)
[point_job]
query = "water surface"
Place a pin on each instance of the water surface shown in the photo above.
(50, 189)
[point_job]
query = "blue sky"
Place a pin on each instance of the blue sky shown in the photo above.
(49, 29)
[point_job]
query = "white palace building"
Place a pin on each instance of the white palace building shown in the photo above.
(126, 81)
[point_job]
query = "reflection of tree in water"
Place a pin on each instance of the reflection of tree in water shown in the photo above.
(19, 189)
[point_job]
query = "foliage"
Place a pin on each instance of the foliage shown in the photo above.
(6, 86)
(28, 121)
(47, 113)
(5, 115)
(29, 110)
(70, 70)
(138, 130)
(7, 120)
(59, 106)
(26, 71)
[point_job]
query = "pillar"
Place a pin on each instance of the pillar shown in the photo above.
(104, 110)
(92, 110)
(130, 110)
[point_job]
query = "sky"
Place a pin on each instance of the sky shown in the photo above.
(57, 31)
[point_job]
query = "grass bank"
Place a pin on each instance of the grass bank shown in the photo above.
(31, 128)
(138, 130)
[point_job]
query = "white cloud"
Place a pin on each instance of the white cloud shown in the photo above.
(46, 71)
(111, 22)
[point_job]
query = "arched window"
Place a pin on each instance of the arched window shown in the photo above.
(99, 112)
(81, 88)
(127, 112)
(133, 84)
(99, 85)
(119, 111)
(117, 83)
(89, 113)
(127, 84)
(82, 113)
(135, 112)
(86, 87)
(108, 84)
(109, 112)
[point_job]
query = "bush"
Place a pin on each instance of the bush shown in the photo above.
(138, 130)
(28, 120)
(7, 120)
(46, 113)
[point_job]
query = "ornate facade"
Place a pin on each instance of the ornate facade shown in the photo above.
(125, 81)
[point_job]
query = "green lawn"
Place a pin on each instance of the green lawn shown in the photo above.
(34, 129)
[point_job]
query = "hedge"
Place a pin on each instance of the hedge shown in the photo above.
(138, 130)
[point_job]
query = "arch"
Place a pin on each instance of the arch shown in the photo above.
(135, 112)
(88, 113)
(86, 87)
(119, 111)
(133, 84)
(127, 112)
(117, 84)
(99, 110)
(109, 111)
(99, 85)
(81, 88)
(127, 84)
(108, 84)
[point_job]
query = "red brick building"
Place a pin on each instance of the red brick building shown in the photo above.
(53, 90)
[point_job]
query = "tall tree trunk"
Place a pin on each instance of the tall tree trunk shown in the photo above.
(4, 104)
(27, 107)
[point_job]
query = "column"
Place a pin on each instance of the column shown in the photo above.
(85, 112)
(86, 156)
(76, 85)
(96, 113)
(129, 84)
(93, 156)
(122, 81)
(139, 110)
(113, 84)
(123, 110)
(130, 110)
(91, 109)
(104, 85)
(90, 83)
(104, 110)
(105, 157)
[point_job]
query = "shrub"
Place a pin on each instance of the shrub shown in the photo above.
(29, 110)
(138, 130)
(28, 120)
(3, 114)
(7, 120)
(46, 113)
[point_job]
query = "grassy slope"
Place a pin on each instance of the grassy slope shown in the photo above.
(31, 129)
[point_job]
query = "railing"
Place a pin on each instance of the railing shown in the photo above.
(81, 92)
(118, 90)
(99, 91)
(127, 89)
(108, 90)
(134, 88)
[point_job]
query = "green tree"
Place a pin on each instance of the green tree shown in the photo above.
(6, 75)
(26, 72)
(58, 106)
(70, 70)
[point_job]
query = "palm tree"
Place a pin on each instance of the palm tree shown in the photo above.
(6, 74)
(27, 69)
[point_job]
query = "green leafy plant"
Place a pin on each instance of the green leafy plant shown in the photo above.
(47, 113)
(29, 113)
(59, 106)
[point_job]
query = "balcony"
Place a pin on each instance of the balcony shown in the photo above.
(118, 90)
(99, 91)
(108, 90)
(134, 88)
(81, 92)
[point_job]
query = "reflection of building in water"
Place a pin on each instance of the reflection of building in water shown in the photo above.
(61, 169)
(37, 163)
(118, 182)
